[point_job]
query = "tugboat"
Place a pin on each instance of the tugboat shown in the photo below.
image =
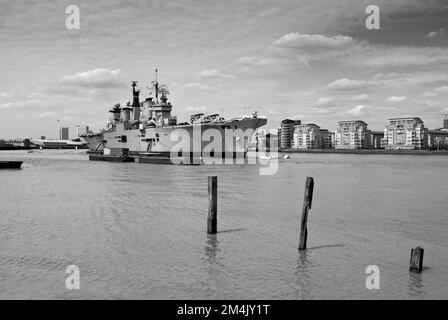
(146, 128)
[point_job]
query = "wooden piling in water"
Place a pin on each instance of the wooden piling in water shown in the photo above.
(416, 263)
(212, 221)
(307, 200)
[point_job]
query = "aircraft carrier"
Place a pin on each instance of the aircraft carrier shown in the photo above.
(148, 127)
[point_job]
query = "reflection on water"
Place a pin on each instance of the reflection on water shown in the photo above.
(416, 286)
(211, 248)
(327, 246)
(212, 263)
(302, 274)
(231, 230)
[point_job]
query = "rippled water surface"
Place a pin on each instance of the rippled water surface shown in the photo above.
(139, 230)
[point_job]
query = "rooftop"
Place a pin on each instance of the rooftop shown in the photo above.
(352, 121)
(406, 118)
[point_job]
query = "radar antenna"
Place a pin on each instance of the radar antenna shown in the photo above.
(155, 85)
(133, 85)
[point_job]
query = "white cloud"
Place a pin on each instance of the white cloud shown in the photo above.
(31, 104)
(6, 94)
(313, 41)
(347, 84)
(322, 110)
(5, 105)
(196, 108)
(96, 78)
(429, 94)
(441, 89)
(360, 97)
(435, 92)
(324, 102)
(36, 95)
(301, 49)
(382, 76)
(435, 34)
(413, 80)
(357, 110)
(214, 74)
(298, 116)
(396, 99)
(198, 86)
(375, 56)
(251, 61)
(46, 115)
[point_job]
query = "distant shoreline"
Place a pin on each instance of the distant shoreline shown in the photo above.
(13, 148)
(369, 151)
(338, 151)
(9, 147)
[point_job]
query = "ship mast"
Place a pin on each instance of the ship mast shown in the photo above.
(133, 85)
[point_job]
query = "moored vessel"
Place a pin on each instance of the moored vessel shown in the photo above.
(58, 144)
(147, 127)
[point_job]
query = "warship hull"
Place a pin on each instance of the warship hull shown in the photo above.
(94, 141)
(227, 139)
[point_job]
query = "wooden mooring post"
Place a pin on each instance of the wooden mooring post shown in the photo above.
(307, 200)
(212, 221)
(416, 263)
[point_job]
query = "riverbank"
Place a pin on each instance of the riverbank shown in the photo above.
(369, 151)
(9, 147)
(65, 147)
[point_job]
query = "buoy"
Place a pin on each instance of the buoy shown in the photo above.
(285, 156)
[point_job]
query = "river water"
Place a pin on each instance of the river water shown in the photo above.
(139, 230)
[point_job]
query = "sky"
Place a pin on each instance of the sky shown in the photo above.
(312, 60)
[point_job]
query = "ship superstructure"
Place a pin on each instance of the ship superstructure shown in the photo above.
(146, 127)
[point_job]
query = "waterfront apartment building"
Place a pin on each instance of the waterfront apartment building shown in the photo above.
(64, 133)
(376, 141)
(268, 142)
(286, 135)
(332, 141)
(405, 133)
(310, 136)
(352, 135)
(326, 138)
(263, 140)
(438, 139)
